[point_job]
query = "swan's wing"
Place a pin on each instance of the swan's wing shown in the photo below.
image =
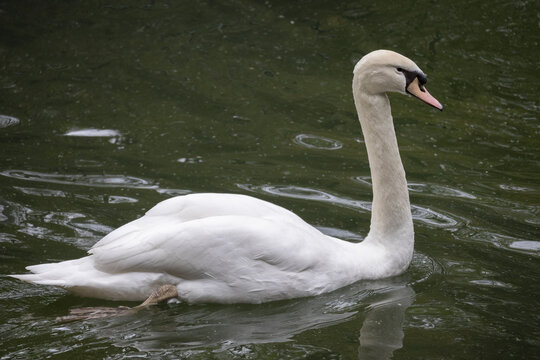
(196, 206)
(180, 209)
(221, 247)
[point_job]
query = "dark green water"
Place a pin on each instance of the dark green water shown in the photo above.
(255, 98)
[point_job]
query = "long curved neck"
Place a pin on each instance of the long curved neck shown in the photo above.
(391, 219)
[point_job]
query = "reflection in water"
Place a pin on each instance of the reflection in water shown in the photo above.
(372, 311)
(381, 303)
(382, 331)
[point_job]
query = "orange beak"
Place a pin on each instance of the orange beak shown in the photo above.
(419, 91)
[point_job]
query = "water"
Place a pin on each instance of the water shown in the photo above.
(107, 108)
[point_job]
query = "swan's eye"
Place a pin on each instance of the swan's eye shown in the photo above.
(399, 69)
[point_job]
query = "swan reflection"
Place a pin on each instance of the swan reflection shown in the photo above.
(374, 309)
(382, 330)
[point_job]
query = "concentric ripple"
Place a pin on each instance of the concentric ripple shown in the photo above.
(422, 268)
(317, 142)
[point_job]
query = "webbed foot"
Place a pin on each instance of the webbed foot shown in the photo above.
(163, 293)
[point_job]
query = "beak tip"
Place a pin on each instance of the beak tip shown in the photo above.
(423, 94)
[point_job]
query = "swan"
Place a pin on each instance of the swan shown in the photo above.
(231, 248)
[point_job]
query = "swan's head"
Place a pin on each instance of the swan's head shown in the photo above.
(384, 71)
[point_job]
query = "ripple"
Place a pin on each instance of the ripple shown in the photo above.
(2, 216)
(422, 268)
(438, 190)
(117, 181)
(425, 215)
(515, 188)
(6, 121)
(94, 133)
(110, 199)
(364, 180)
(511, 243)
(423, 188)
(61, 226)
(40, 192)
(173, 192)
(89, 163)
(317, 142)
(432, 217)
(86, 230)
(192, 160)
(298, 192)
(121, 199)
(491, 283)
(8, 238)
(526, 245)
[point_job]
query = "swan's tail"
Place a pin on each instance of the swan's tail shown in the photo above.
(81, 277)
(54, 274)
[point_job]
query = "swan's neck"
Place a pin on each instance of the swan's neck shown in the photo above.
(391, 219)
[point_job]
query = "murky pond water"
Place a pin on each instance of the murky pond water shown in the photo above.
(108, 107)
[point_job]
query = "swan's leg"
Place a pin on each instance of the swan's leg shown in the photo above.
(163, 293)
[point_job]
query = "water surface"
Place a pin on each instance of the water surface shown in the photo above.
(107, 108)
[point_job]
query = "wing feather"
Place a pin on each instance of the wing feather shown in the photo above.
(210, 246)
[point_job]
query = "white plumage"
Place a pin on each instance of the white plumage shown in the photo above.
(228, 248)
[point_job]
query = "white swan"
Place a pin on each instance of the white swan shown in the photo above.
(226, 248)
